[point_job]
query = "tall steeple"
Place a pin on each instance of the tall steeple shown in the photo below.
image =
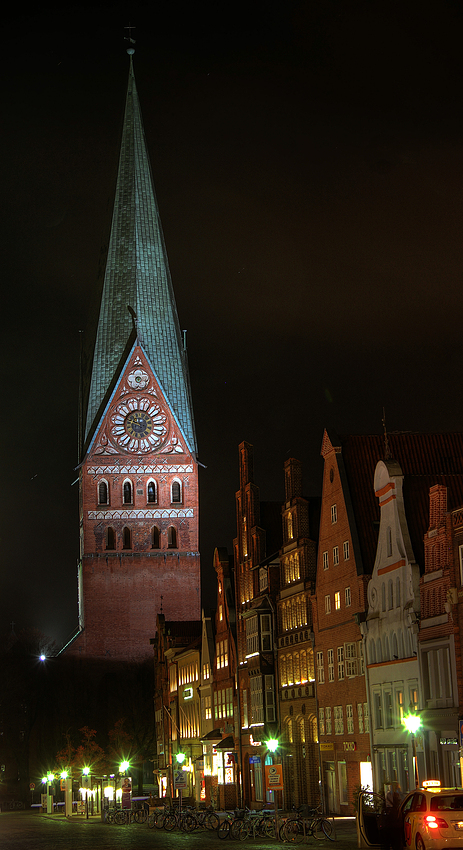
(137, 276)
(139, 474)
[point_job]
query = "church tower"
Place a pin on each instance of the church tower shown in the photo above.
(138, 473)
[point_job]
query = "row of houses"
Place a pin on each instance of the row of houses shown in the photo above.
(336, 618)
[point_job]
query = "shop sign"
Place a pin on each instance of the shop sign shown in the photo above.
(349, 746)
(326, 745)
(254, 759)
(452, 741)
(180, 779)
(188, 693)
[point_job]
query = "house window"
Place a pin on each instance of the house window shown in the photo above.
(257, 704)
(252, 636)
(338, 720)
(366, 717)
(126, 538)
(327, 604)
(263, 579)
(127, 493)
(331, 665)
(335, 556)
(320, 668)
(155, 537)
(350, 719)
(176, 493)
(347, 597)
(337, 600)
(110, 538)
(321, 720)
(340, 654)
(207, 708)
(345, 550)
(388, 715)
(102, 493)
(377, 704)
(334, 514)
(329, 728)
(244, 703)
(325, 560)
(151, 492)
(361, 664)
(172, 537)
(400, 707)
(206, 670)
(266, 632)
(360, 716)
(269, 699)
(350, 651)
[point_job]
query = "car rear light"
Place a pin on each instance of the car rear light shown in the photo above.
(436, 823)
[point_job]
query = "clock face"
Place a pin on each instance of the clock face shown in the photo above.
(139, 425)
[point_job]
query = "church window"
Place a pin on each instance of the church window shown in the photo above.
(102, 493)
(290, 526)
(176, 492)
(151, 492)
(127, 493)
(126, 538)
(389, 541)
(155, 537)
(172, 537)
(110, 538)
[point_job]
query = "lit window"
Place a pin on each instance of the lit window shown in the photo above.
(334, 514)
(327, 604)
(220, 612)
(345, 550)
(325, 560)
(337, 600)
(335, 556)
(347, 597)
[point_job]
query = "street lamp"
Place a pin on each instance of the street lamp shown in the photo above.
(274, 778)
(412, 723)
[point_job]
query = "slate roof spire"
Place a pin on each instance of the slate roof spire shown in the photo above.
(137, 276)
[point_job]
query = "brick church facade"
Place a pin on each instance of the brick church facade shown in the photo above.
(139, 525)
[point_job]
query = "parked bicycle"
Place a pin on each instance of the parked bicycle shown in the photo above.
(306, 824)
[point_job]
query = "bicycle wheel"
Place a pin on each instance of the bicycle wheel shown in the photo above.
(109, 817)
(159, 820)
(293, 830)
(151, 820)
(223, 829)
(211, 820)
(188, 823)
(327, 827)
(120, 818)
(170, 822)
(235, 828)
(269, 828)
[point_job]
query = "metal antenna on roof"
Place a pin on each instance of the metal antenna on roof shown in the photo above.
(387, 451)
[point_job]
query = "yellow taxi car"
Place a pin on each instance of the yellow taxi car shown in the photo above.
(432, 818)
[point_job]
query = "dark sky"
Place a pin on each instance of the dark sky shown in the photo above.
(308, 162)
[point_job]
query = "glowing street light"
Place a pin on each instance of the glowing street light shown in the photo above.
(412, 723)
(180, 758)
(124, 766)
(272, 744)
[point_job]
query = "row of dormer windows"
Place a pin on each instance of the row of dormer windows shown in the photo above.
(127, 543)
(103, 492)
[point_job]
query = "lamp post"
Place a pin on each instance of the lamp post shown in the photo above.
(412, 723)
(180, 757)
(272, 747)
(67, 783)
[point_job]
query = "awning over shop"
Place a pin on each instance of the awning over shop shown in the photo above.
(213, 735)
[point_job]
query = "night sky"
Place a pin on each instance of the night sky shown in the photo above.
(308, 163)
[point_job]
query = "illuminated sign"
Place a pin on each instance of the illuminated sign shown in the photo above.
(188, 693)
(431, 783)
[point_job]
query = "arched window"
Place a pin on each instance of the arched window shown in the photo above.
(110, 538)
(126, 538)
(390, 594)
(151, 492)
(127, 493)
(155, 537)
(388, 541)
(383, 597)
(303, 666)
(289, 669)
(176, 493)
(313, 727)
(297, 669)
(172, 537)
(301, 730)
(102, 493)
(397, 593)
(282, 671)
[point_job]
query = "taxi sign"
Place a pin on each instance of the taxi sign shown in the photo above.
(431, 783)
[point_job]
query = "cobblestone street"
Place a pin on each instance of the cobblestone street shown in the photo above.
(25, 831)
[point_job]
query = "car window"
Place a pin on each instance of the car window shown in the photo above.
(451, 802)
(408, 803)
(419, 803)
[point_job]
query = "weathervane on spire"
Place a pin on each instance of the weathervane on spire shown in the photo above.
(130, 50)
